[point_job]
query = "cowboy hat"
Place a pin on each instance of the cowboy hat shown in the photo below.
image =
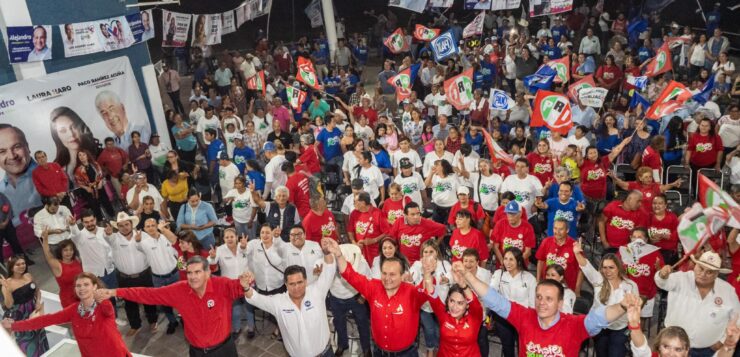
(368, 97)
(711, 261)
(123, 217)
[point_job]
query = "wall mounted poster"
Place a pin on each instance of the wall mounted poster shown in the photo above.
(29, 43)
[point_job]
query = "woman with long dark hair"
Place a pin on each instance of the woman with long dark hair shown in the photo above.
(22, 299)
(70, 135)
(388, 249)
(607, 134)
(90, 179)
(705, 149)
(675, 142)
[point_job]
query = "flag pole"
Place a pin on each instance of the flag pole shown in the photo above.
(702, 11)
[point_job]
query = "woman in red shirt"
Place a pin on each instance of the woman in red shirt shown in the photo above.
(608, 76)
(459, 317)
(393, 205)
(594, 170)
(541, 162)
(651, 156)
(309, 154)
(187, 247)
(465, 236)
(454, 140)
(663, 229)
(705, 148)
(93, 322)
(65, 265)
(647, 185)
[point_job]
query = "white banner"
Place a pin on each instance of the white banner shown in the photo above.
(175, 28)
(80, 38)
(313, 11)
(475, 27)
(593, 97)
(412, 5)
(441, 3)
(549, 7)
(206, 30)
(114, 34)
(505, 4)
(63, 114)
(241, 15)
(228, 22)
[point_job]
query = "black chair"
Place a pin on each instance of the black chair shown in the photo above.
(674, 172)
(674, 201)
(714, 175)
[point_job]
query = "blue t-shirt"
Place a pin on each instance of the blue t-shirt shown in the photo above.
(330, 143)
(361, 54)
(577, 193)
(258, 178)
(558, 31)
(241, 155)
(552, 52)
(213, 149)
(186, 144)
(567, 211)
(644, 53)
(320, 57)
(475, 142)
(383, 160)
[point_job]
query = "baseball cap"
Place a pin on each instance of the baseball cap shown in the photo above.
(238, 137)
(405, 163)
(155, 135)
(269, 146)
(463, 190)
(357, 184)
(512, 207)
(223, 155)
(139, 175)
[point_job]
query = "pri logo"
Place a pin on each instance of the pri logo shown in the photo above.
(402, 82)
(306, 71)
(659, 61)
(562, 71)
(555, 111)
(462, 91)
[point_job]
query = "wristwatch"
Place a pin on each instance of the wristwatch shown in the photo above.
(246, 290)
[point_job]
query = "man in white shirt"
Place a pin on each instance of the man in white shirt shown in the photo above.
(95, 252)
(700, 302)
(135, 196)
(227, 172)
(301, 311)
(209, 121)
(159, 152)
(304, 253)
(274, 175)
(590, 45)
(132, 267)
(524, 186)
(56, 219)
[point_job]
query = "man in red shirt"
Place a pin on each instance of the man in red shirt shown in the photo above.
(394, 305)
(113, 159)
(544, 330)
(413, 230)
(366, 226)
(558, 249)
(512, 232)
(618, 220)
(50, 178)
(365, 109)
(319, 222)
(298, 187)
(464, 202)
(203, 301)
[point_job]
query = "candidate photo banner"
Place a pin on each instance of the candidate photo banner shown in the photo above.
(228, 22)
(114, 33)
(65, 113)
(206, 29)
(477, 5)
(241, 15)
(505, 4)
(549, 7)
(141, 26)
(29, 43)
(175, 28)
(80, 38)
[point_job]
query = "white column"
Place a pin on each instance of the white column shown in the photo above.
(330, 26)
(15, 13)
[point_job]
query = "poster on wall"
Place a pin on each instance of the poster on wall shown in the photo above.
(141, 26)
(241, 15)
(206, 30)
(175, 28)
(505, 4)
(411, 5)
(549, 7)
(29, 43)
(441, 3)
(80, 38)
(477, 4)
(70, 110)
(228, 22)
(114, 33)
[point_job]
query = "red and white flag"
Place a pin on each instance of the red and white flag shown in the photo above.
(562, 67)
(307, 74)
(552, 109)
(585, 82)
(396, 42)
(423, 33)
(459, 89)
(669, 100)
(475, 27)
(661, 63)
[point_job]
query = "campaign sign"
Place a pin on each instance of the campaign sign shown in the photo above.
(444, 46)
(29, 43)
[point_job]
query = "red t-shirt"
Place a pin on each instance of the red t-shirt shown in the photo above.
(298, 186)
(477, 216)
(552, 253)
(610, 75)
(367, 225)
(635, 72)
(541, 166)
(505, 236)
(562, 339)
(644, 271)
(704, 149)
(620, 223)
(499, 214)
(369, 113)
(668, 226)
(651, 159)
(410, 238)
(183, 257)
(593, 178)
(458, 337)
(320, 226)
(310, 158)
(473, 239)
(648, 193)
(393, 210)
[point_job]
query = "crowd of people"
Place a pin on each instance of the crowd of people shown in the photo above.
(398, 212)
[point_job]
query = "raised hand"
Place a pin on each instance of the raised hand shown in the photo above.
(163, 225)
(580, 207)
(633, 315)
(71, 220)
(732, 331)
(243, 242)
(429, 264)
(331, 246)
(318, 269)
(665, 271)
(101, 295)
(212, 253)
(246, 279)
(458, 267)
(578, 247)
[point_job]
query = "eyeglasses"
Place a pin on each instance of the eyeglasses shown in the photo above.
(296, 234)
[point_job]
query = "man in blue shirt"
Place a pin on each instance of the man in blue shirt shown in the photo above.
(215, 146)
(563, 207)
(242, 153)
(558, 29)
(328, 144)
(16, 161)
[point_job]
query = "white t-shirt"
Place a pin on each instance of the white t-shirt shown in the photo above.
(241, 205)
(233, 120)
(226, 176)
(582, 143)
(364, 132)
(196, 114)
(486, 190)
(412, 155)
(558, 147)
(471, 165)
(151, 191)
(262, 126)
(525, 190)
(431, 157)
(205, 123)
(444, 190)
(274, 172)
(373, 179)
(159, 154)
(411, 186)
(230, 142)
(349, 163)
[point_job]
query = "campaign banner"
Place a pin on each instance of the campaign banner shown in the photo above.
(259, 8)
(29, 43)
(241, 15)
(206, 30)
(175, 28)
(70, 111)
(228, 22)
(441, 3)
(549, 7)
(139, 30)
(411, 5)
(80, 38)
(313, 12)
(505, 4)
(444, 46)
(593, 97)
(114, 33)
(477, 5)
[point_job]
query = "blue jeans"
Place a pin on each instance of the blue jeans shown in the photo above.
(241, 228)
(340, 308)
(238, 308)
(430, 327)
(701, 352)
(164, 281)
(612, 343)
(208, 241)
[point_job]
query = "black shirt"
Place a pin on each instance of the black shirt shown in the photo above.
(285, 138)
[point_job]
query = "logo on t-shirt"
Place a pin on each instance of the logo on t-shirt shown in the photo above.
(511, 242)
(332, 141)
(364, 228)
(553, 258)
(622, 223)
(705, 147)
(487, 189)
(457, 249)
(327, 229)
(542, 168)
(409, 188)
(411, 240)
(638, 270)
(535, 350)
(659, 232)
(522, 196)
(442, 187)
(394, 214)
(593, 175)
(566, 215)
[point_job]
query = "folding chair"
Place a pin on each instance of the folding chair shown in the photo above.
(623, 170)
(674, 201)
(715, 175)
(674, 172)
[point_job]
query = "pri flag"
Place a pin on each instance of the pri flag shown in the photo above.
(475, 27)
(585, 82)
(296, 97)
(423, 33)
(396, 42)
(444, 46)
(497, 153)
(459, 89)
(699, 224)
(562, 68)
(499, 100)
(711, 195)
(661, 63)
(670, 100)
(307, 74)
(552, 110)
(402, 82)
(257, 82)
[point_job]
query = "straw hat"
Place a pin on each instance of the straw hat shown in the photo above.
(711, 261)
(123, 217)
